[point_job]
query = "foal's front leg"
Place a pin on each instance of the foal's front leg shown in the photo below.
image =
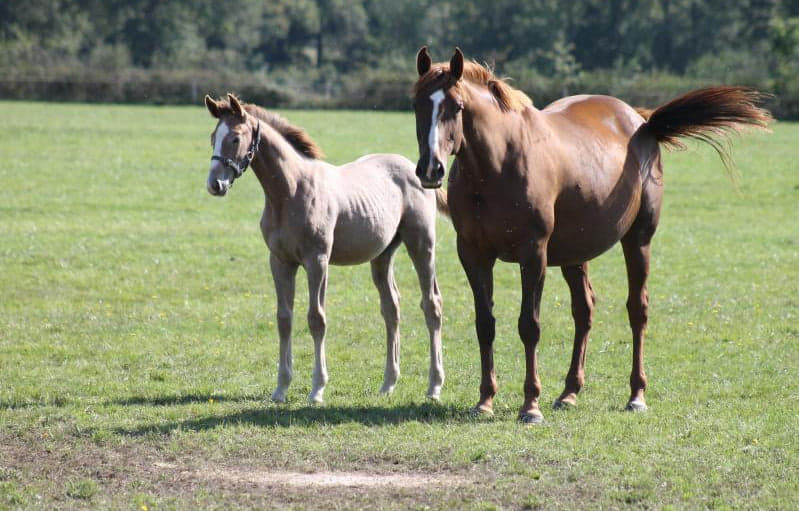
(316, 269)
(283, 275)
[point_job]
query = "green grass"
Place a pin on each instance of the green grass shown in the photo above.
(138, 340)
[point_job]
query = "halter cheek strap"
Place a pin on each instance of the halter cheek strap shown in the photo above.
(238, 167)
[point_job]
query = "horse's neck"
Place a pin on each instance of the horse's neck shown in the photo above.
(277, 165)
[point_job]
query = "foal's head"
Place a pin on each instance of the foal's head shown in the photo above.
(234, 140)
(441, 94)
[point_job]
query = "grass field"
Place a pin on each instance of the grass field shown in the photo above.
(138, 341)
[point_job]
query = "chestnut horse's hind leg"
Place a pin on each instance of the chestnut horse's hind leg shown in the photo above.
(383, 278)
(636, 255)
(533, 273)
(583, 300)
(478, 270)
(283, 275)
(316, 269)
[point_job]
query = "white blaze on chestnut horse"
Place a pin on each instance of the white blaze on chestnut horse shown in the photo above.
(555, 187)
(316, 214)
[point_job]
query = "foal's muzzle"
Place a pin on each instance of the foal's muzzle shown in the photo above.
(432, 175)
(218, 187)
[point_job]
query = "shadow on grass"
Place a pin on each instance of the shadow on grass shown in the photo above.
(279, 416)
(183, 399)
(174, 400)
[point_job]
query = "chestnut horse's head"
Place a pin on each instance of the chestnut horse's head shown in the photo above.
(438, 104)
(235, 141)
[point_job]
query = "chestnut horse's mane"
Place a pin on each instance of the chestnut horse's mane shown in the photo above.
(508, 98)
(294, 135)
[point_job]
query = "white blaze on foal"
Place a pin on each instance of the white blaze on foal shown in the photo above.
(432, 138)
(221, 132)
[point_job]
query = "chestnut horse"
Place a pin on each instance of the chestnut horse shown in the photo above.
(555, 187)
(317, 214)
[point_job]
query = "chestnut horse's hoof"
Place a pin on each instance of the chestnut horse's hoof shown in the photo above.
(533, 418)
(481, 411)
(636, 405)
(562, 404)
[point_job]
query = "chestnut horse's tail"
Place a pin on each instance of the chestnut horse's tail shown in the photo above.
(709, 115)
(441, 202)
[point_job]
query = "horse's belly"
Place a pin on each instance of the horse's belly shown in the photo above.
(579, 238)
(360, 241)
(575, 251)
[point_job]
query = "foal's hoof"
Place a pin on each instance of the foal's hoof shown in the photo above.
(434, 394)
(386, 390)
(316, 398)
(533, 418)
(636, 405)
(278, 397)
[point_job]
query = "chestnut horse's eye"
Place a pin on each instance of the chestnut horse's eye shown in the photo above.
(235, 140)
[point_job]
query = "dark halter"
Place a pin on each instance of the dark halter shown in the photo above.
(238, 167)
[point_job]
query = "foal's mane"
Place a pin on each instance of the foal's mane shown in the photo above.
(507, 98)
(294, 135)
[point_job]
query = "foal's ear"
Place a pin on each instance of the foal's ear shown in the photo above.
(235, 106)
(456, 65)
(423, 61)
(212, 106)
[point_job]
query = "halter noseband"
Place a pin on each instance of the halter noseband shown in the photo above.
(238, 167)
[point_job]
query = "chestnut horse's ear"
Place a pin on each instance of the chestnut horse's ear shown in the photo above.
(456, 65)
(212, 106)
(423, 61)
(235, 106)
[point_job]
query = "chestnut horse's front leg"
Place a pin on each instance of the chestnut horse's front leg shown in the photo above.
(533, 271)
(479, 271)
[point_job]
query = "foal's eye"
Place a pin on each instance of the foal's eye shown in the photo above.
(235, 140)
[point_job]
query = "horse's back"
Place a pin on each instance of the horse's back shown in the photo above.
(602, 115)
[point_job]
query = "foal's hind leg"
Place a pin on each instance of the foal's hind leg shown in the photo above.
(421, 247)
(383, 278)
(582, 299)
(283, 275)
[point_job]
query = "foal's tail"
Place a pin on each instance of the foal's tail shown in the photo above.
(710, 115)
(441, 202)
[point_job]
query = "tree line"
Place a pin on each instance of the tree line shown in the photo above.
(359, 53)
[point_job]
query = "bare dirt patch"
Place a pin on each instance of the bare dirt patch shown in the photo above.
(140, 472)
(268, 478)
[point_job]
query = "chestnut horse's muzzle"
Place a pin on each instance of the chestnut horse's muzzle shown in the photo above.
(432, 175)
